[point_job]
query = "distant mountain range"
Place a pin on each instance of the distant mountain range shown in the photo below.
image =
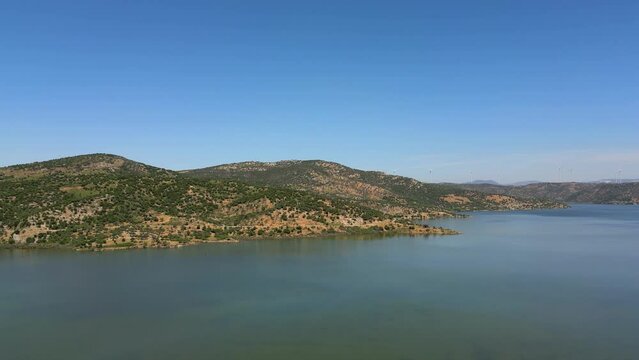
(102, 201)
(523, 183)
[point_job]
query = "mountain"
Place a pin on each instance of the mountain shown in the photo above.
(103, 201)
(390, 194)
(526, 182)
(597, 193)
(489, 182)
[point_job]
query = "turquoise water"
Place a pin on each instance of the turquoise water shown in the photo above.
(551, 284)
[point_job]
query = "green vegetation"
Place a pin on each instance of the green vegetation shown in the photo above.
(594, 193)
(105, 201)
(387, 193)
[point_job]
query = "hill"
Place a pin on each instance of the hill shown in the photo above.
(106, 201)
(390, 194)
(81, 164)
(597, 193)
(480, 181)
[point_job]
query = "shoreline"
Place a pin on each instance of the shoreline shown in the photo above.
(419, 227)
(415, 230)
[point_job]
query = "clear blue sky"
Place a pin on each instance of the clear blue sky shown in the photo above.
(505, 90)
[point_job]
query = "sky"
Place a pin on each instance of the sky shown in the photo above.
(439, 91)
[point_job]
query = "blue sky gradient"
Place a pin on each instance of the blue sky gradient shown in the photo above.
(504, 90)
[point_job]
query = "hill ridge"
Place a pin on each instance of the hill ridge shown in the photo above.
(577, 192)
(385, 192)
(104, 201)
(84, 162)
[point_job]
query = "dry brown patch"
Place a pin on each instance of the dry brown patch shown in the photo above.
(455, 199)
(499, 199)
(71, 188)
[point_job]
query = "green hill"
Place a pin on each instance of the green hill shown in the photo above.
(387, 193)
(107, 201)
(596, 193)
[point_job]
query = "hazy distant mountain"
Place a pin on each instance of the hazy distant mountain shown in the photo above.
(523, 183)
(488, 182)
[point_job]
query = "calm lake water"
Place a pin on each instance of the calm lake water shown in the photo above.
(551, 284)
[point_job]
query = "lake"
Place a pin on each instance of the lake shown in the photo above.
(551, 284)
